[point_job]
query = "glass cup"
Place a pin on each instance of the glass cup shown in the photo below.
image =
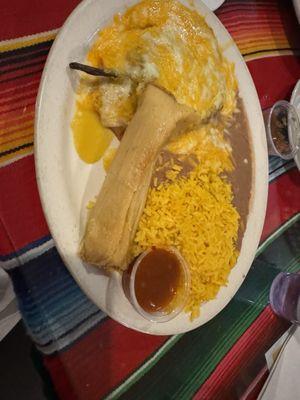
(282, 129)
(285, 296)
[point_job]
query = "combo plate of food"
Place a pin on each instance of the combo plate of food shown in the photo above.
(153, 178)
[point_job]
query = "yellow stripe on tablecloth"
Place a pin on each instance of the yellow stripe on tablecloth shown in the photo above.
(16, 127)
(16, 155)
(18, 147)
(16, 131)
(270, 53)
(25, 41)
(262, 49)
(26, 137)
(12, 137)
(16, 123)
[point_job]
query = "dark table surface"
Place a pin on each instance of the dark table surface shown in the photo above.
(22, 376)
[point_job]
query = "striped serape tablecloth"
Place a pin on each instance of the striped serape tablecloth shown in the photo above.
(88, 355)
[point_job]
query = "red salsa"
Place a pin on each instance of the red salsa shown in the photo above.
(158, 278)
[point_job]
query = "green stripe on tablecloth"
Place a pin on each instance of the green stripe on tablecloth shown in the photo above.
(186, 365)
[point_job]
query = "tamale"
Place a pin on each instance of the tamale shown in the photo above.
(113, 221)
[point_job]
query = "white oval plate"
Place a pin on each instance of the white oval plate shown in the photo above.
(66, 183)
(213, 4)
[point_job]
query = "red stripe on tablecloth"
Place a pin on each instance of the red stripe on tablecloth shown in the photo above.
(10, 101)
(238, 28)
(12, 57)
(231, 18)
(221, 383)
(283, 201)
(100, 361)
(11, 87)
(266, 73)
(21, 215)
(22, 64)
(263, 14)
(18, 78)
(28, 17)
(19, 105)
(28, 70)
(19, 89)
(245, 33)
(276, 19)
(249, 9)
(11, 115)
(17, 119)
(5, 242)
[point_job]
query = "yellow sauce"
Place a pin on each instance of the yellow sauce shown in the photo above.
(91, 139)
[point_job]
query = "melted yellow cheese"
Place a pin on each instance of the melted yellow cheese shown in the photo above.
(91, 139)
(206, 143)
(158, 41)
(164, 42)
